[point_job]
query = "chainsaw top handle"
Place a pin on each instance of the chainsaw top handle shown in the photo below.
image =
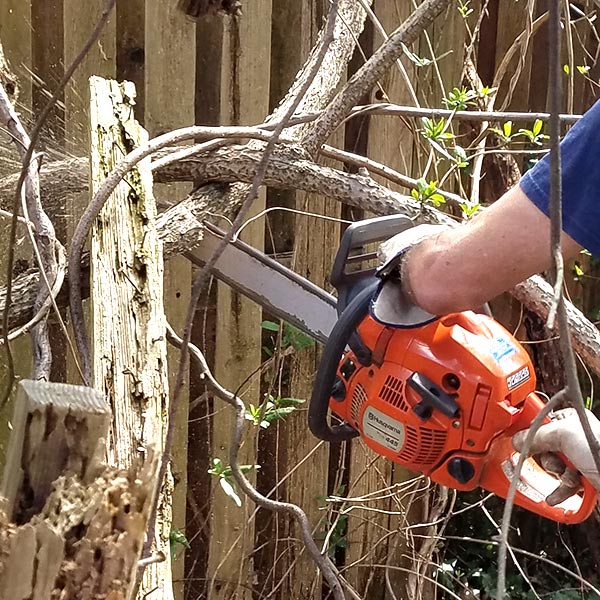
(351, 253)
(325, 379)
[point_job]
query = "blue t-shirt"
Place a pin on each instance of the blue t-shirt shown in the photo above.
(580, 154)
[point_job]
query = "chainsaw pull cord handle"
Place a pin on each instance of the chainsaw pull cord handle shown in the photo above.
(346, 325)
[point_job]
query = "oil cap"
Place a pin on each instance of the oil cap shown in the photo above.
(461, 469)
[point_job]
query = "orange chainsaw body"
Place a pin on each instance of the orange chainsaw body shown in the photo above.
(445, 399)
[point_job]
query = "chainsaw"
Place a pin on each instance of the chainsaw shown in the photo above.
(443, 397)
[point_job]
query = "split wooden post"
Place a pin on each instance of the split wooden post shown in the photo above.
(130, 357)
(80, 525)
(58, 429)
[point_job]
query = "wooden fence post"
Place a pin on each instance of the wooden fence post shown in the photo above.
(129, 340)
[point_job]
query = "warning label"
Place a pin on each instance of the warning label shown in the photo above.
(383, 429)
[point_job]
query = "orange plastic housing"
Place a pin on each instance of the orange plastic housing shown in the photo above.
(475, 363)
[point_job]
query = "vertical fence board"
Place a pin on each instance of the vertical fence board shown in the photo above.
(15, 36)
(77, 26)
(314, 248)
(512, 18)
(131, 45)
(244, 99)
(101, 61)
(390, 141)
(169, 50)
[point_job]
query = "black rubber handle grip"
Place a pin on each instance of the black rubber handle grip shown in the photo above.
(349, 320)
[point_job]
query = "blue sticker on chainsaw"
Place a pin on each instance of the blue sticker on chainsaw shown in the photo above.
(501, 348)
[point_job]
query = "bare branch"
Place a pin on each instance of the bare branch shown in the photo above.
(363, 81)
(325, 565)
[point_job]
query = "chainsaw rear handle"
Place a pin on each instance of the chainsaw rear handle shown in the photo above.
(346, 325)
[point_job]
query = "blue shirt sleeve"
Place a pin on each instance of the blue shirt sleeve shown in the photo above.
(580, 156)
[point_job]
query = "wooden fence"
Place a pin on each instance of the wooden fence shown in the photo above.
(226, 70)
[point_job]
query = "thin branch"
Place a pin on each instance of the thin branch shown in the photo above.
(322, 561)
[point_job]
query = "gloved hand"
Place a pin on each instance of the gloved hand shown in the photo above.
(390, 252)
(391, 305)
(565, 434)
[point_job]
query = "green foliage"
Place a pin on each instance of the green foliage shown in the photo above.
(436, 130)
(422, 62)
(466, 565)
(176, 539)
(464, 9)
(427, 192)
(290, 337)
(535, 135)
(486, 91)
(506, 133)
(469, 209)
(460, 157)
(271, 410)
(577, 271)
(337, 537)
(459, 98)
(226, 479)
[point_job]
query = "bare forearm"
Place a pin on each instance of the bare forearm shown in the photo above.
(464, 267)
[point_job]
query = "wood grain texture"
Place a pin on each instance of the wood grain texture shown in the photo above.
(169, 75)
(129, 342)
(244, 99)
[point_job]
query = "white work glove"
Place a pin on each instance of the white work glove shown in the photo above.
(565, 434)
(390, 252)
(391, 305)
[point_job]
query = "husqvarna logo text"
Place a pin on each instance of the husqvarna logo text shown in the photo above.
(518, 378)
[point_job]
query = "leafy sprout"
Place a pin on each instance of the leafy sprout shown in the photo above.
(459, 98)
(226, 480)
(427, 192)
(271, 410)
(534, 135)
(464, 9)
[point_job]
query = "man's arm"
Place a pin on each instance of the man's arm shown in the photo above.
(464, 267)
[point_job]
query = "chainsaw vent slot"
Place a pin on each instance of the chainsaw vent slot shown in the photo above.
(422, 446)
(392, 392)
(358, 399)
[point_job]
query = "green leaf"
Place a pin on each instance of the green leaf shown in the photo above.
(420, 62)
(583, 69)
(278, 413)
(507, 129)
(217, 468)
(566, 69)
(290, 401)
(437, 199)
(270, 326)
(230, 491)
(537, 127)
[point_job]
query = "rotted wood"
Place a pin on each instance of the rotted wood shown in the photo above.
(130, 359)
(56, 431)
(70, 527)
